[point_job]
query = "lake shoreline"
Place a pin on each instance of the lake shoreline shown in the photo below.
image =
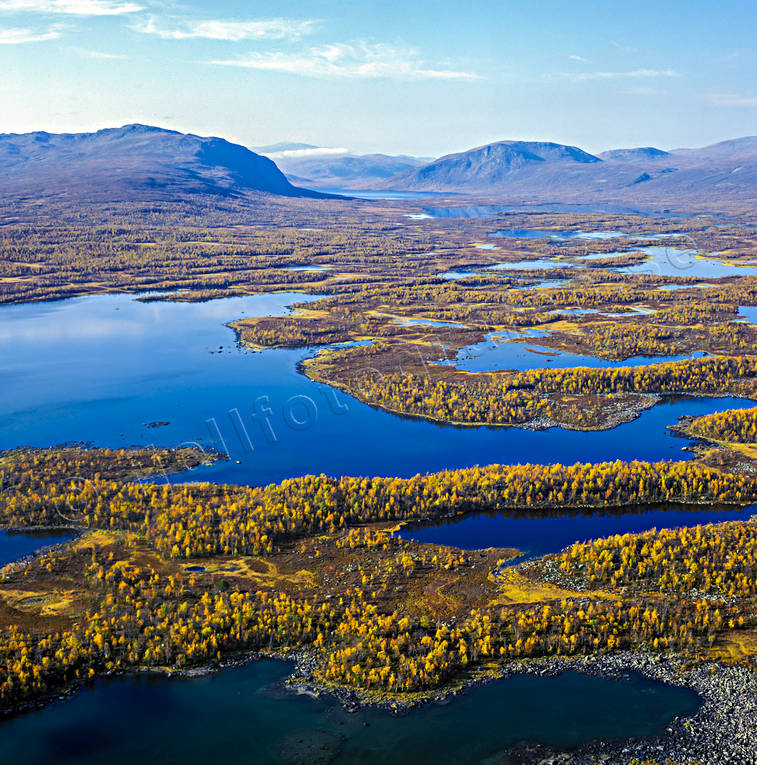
(718, 732)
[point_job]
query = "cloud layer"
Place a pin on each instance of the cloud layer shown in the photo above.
(348, 60)
(71, 7)
(729, 99)
(632, 74)
(233, 31)
(22, 35)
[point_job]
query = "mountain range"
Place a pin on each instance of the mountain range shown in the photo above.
(327, 168)
(551, 171)
(143, 163)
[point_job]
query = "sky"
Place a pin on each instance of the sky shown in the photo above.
(413, 77)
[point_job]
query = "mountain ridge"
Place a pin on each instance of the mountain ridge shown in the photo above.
(134, 162)
(540, 171)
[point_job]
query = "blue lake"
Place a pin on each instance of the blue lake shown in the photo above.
(531, 233)
(660, 261)
(515, 351)
(543, 285)
(536, 534)
(101, 369)
(489, 211)
(536, 263)
(242, 715)
(18, 544)
(671, 261)
(452, 275)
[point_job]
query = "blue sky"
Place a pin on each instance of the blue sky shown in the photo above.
(425, 78)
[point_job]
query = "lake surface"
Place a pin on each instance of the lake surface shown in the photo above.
(543, 285)
(661, 261)
(18, 544)
(536, 263)
(452, 275)
(671, 261)
(428, 323)
(101, 369)
(532, 233)
(242, 716)
(488, 211)
(536, 534)
(515, 352)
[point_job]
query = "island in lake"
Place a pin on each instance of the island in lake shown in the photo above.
(341, 479)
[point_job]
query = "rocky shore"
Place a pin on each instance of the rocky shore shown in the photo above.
(722, 732)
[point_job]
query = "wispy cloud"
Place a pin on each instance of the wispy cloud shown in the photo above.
(71, 7)
(317, 151)
(623, 48)
(23, 35)
(729, 99)
(574, 57)
(349, 60)
(86, 53)
(632, 74)
(233, 31)
(643, 90)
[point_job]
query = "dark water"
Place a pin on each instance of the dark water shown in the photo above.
(238, 717)
(17, 544)
(103, 368)
(537, 534)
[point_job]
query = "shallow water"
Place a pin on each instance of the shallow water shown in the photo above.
(748, 313)
(242, 716)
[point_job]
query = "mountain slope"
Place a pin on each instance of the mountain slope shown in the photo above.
(725, 171)
(492, 165)
(133, 162)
